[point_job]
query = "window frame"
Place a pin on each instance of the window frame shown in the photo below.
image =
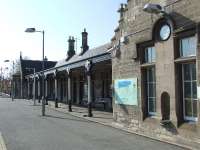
(188, 118)
(150, 113)
(144, 66)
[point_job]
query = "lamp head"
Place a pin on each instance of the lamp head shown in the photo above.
(7, 60)
(153, 8)
(30, 30)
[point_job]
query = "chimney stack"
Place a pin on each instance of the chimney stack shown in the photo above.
(71, 50)
(122, 9)
(84, 46)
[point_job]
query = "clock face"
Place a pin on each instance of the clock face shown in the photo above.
(165, 32)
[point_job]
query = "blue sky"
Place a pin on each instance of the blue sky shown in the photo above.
(60, 19)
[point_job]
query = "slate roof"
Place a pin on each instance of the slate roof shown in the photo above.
(37, 64)
(101, 50)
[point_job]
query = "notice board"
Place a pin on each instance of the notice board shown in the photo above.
(125, 91)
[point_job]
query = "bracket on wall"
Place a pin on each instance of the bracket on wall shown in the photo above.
(68, 71)
(115, 50)
(124, 39)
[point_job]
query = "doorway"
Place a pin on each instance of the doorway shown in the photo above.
(165, 106)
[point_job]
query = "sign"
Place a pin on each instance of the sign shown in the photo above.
(125, 91)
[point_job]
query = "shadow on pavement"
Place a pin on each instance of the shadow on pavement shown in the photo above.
(35, 105)
(102, 117)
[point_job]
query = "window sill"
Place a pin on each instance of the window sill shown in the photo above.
(185, 59)
(147, 64)
(153, 116)
(152, 120)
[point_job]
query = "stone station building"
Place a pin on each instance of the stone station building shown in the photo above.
(161, 52)
(148, 74)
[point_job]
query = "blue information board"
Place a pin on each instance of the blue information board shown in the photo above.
(125, 91)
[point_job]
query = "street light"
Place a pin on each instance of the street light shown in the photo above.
(6, 60)
(34, 100)
(155, 9)
(32, 30)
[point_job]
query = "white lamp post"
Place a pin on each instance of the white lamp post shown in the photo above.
(32, 30)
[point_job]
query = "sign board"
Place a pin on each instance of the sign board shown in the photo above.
(125, 91)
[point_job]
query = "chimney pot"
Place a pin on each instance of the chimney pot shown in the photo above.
(84, 46)
(71, 51)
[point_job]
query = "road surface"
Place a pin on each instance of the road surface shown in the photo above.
(23, 128)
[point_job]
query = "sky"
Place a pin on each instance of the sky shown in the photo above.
(59, 19)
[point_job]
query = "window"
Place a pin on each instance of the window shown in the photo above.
(150, 55)
(190, 92)
(151, 90)
(188, 46)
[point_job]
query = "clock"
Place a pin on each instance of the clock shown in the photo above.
(165, 32)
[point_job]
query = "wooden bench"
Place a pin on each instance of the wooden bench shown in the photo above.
(103, 100)
(84, 102)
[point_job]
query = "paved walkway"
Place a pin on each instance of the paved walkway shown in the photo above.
(106, 118)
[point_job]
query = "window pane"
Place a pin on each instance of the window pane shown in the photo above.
(187, 90)
(188, 47)
(183, 46)
(188, 108)
(152, 90)
(195, 108)
(152, 105)
(192, 46)
(150, 77)
(194, 89)
(193, 69)
(146, 55)
(151, 74)
(149, 55)
(187, 76)
(153, 53)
